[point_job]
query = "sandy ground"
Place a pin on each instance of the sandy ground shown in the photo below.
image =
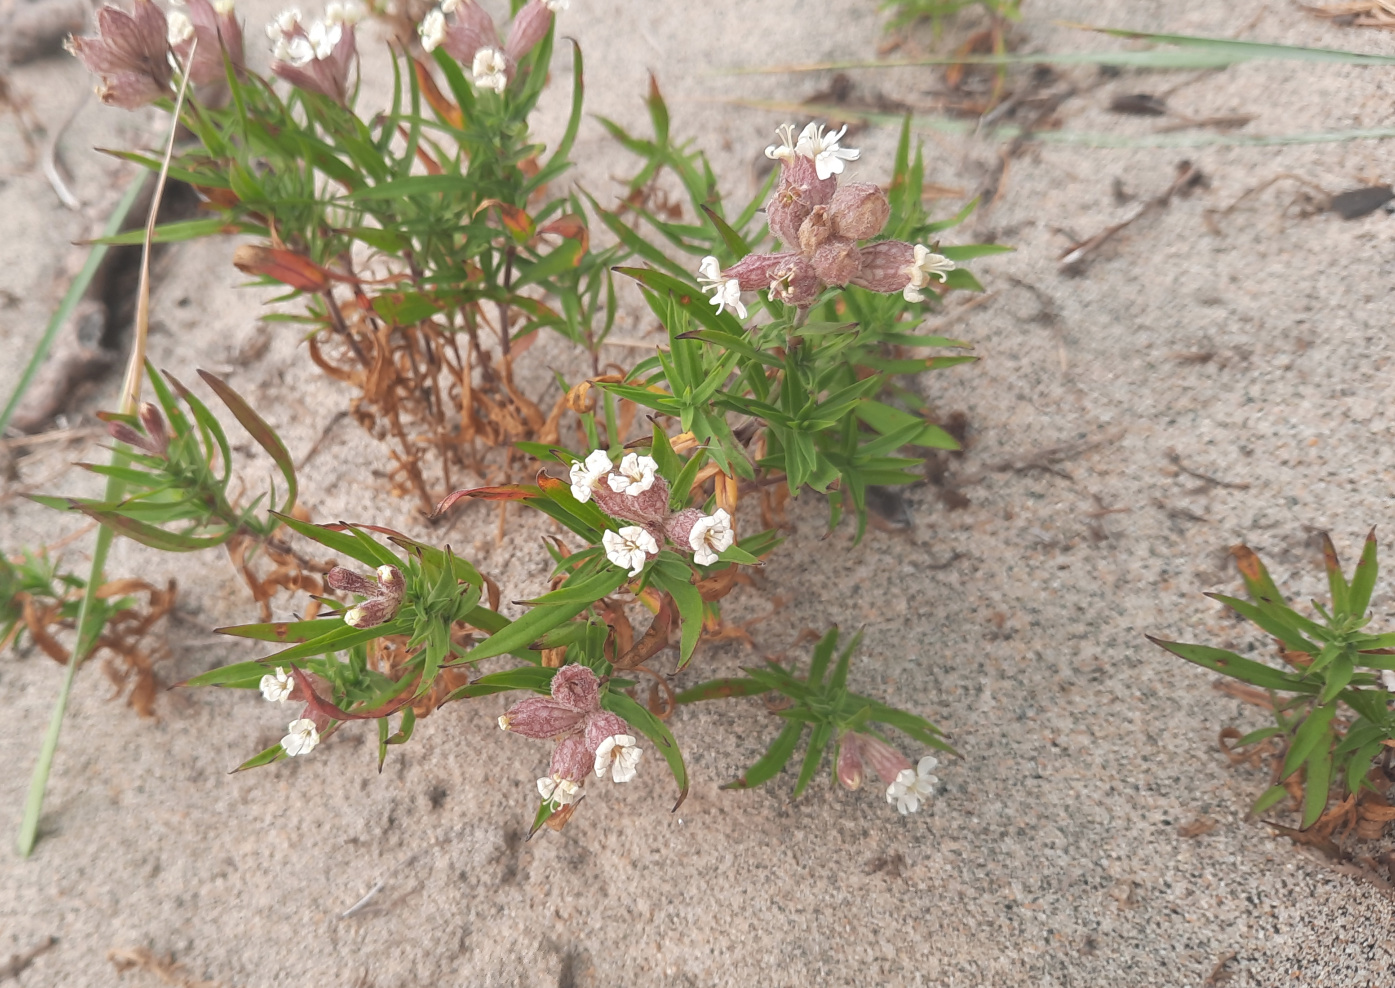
(1052, 856)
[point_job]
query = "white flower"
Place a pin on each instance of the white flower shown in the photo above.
(556, 5)
(433, 30)
(926, 265)
(224, 7)
(1387, 679)
(278, 687)
(828, 157)
(503, 722)
(620, 755)
(585, 474)
(629, 547)
(285, 23)
(181, 29)
(728, 291)
(785, 150)
(636, 475)
(302, 737)
(558, 790)
(343, 13)
(353, 616)
(710, 535)
(911, 787)
(490, 69)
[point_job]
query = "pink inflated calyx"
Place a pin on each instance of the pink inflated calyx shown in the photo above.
(571, 759)
(885, 760)
(131, 54)
(542, 718)
(577, 688)
(529, 27)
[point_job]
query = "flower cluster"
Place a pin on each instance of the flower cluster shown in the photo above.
(586, 738)
(906, 787)
(635, 492)
(821, 226)
(470, 38)
(317, 58)
(383, 597)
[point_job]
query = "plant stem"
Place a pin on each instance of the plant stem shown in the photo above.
(33, 805)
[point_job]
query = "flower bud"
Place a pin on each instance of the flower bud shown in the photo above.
(849, 763)
(754, 271)
(814, 231)
(796, 283)
(886, 266)
(390, 581)
(859, 211)
(885, 760)
(680, 527)
(837, 262)
(529, 27)
(372, 612)
(154, 425)
(601, 726)
(786, 211)
(649, 507)
(541, 717)
(472, 30)
(571, 760)
(577, 688)
(348, 581)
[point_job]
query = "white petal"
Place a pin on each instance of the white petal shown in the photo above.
(546, 786)
(709, 270)
(926, 765)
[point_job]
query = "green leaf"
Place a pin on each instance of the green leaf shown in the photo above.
(813, 757)
(240, 675)
(1256, 736)
(735, 242)
(656, 731)
(339, 639)
(1363, 581)
(257, 428)
(546, 615)
(272, 754)
(722, 689)
(415, 185)
(283, 631)
(1306, 739)
(1318, 783)
(172, 233)
(535, 678)
(774, 759)
(1336, 582)
(1270, 797)
(156, 538)
(1271, 619)
(1230, 664)
(343, 543)
(1338, 676)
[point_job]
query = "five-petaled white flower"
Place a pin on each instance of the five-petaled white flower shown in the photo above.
(727, 291)
(302, 737)
(827, 156)
(181, 29)
(911, 787)
(785, 150)
(558, 791)
(585, 473)
(629, 547)
(278, 687)
(620, 755)
(636, 475)
(711, 535)
(490, 69)
(926, 265)
(433, 30)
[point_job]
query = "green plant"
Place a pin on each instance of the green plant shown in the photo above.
(1331, 703)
